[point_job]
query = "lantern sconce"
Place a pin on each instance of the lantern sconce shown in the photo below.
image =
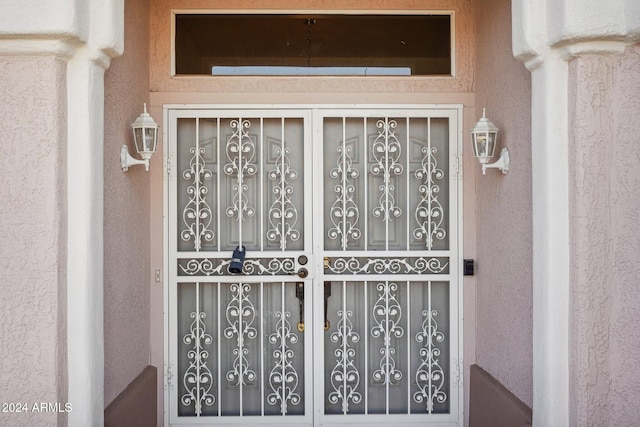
(145, 136)
(484, 136)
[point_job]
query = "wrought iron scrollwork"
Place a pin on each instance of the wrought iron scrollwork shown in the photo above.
(283, 378)
(344, 213)
(387, 314)
(386, 151)
(196, 214)
(430, 376)
(198, 379)
(429, 212)
(240, 315)
(283, 215)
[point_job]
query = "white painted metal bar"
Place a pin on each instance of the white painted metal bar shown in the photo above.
(365, 180)
(365, 307)
(429, 237)
(218, 149)
(263, 155)
(198, 403)
(344, 184)
(283, 238)
(197, 237)
(219, 336)
(387, 183)
(430, 347)
(241, 342)
(345, 395)
(408, 183)
(280, 363)
(262, 349)
(386, 345)
(409, 313)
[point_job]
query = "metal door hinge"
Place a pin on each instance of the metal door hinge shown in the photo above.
(457, 165)
(169, 166)
(168, 377)
(459, 373)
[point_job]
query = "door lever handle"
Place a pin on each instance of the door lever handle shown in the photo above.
(300, 296)
(302, 273)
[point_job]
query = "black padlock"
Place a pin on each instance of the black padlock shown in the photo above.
(237, 260)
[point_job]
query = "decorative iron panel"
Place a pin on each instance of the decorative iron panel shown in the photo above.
(238, 352)
(251, 267)
(240, 184)
(387, 265)
(387, 183)
(387, 349)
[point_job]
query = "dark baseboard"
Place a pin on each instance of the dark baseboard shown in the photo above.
(137, 405)
(492, 405)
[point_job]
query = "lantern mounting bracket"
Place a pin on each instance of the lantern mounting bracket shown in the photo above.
(128, 160)
(502, 163)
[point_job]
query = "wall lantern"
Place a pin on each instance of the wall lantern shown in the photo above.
(484, 136)
(145, 136)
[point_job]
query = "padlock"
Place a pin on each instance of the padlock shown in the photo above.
(237, 260)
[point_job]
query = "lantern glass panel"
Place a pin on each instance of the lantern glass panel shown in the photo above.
(485, 144)
(145, 139)
(150, 139)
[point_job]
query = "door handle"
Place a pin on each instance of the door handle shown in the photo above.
(327, 294)
(303, 273)
(300, 296)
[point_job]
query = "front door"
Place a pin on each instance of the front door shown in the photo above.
(313, 266)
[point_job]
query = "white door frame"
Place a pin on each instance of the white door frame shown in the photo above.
(456, 175)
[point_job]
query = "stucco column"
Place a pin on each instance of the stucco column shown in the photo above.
(547, 34)
(85, 91)
(550, 205)
(62, 48)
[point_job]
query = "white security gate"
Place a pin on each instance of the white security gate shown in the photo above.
(345, 310)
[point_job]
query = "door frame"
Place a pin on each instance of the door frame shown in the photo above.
(457, 369)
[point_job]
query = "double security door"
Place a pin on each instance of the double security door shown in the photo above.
(343, 225)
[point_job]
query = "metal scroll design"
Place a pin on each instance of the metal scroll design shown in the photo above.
(241, 315)
(198, 379)
(387, 314)
(283, 378)
(388, 265)
(241, 153)
(220, 267)
(344, 212)
(429, 212)
(283, 215)
(430, 376)
(197, 212)
(386, 152)
(345, 377)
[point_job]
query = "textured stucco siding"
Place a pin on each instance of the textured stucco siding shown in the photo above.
(605, 239)
(127, 276)
(32, 237)
(503, 208)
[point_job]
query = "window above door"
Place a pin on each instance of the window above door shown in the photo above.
(313, 44)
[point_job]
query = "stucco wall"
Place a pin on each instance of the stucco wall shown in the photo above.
(503, 208)
(605, 239)
(32, 236)
(127, 277)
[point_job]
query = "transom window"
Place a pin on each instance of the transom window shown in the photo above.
(319, 44)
